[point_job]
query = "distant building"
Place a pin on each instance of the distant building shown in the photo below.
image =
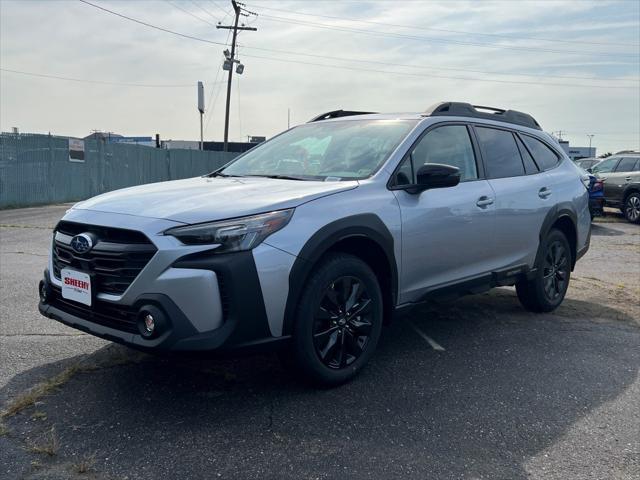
(110, 137)
(576, 153)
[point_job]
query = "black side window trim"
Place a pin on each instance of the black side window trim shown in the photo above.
(474, 144)
(519, 142)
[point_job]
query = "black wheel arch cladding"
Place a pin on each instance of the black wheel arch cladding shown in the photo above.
(561, 212)
(369, 227)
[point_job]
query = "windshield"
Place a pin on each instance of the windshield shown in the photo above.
(344, 150)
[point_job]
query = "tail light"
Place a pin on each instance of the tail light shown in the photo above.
(597, 186)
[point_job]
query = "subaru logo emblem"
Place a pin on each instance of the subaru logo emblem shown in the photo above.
(82, 243)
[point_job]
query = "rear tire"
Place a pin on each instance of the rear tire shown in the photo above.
(545, 292)
(631, 209)
(338, 321)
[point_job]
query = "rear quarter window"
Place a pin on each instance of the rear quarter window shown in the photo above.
(543, 155)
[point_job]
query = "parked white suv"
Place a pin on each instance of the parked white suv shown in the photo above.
(312, 240)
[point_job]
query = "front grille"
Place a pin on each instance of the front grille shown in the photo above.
(103, 313)
(113, 263)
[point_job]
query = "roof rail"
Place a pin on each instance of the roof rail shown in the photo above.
(337, 114)
(460, 109)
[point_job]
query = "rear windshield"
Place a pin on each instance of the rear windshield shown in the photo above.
(342, 150)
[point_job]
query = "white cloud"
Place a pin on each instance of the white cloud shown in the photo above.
(75, 40)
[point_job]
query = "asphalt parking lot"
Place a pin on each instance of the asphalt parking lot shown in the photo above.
(474, 389)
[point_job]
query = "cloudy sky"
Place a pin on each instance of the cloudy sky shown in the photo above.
(574, 65)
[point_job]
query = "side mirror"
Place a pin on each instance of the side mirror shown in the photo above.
(435, 175)
(590, 170)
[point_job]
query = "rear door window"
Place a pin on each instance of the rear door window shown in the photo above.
(500, 152)
(627, 164)
(543, 155)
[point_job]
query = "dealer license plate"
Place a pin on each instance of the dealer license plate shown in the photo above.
(76, 286)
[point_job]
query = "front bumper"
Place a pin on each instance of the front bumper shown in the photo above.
(243, 324)
(206, 301)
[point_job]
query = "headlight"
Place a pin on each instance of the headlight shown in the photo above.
(233, 235)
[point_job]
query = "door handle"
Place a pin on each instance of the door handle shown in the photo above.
(484, 201)
(628, 179)
(544, 192)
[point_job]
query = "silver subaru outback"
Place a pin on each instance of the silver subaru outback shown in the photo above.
(313, 240)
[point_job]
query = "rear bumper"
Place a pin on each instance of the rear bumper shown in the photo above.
(596, 205)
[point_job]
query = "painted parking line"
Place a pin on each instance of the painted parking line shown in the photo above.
(435, 345)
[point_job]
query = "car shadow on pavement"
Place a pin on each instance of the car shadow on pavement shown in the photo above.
(602, 231)
(507, 385)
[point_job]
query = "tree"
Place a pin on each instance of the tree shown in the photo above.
(605, 155)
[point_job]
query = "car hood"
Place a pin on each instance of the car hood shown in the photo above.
(205, 199)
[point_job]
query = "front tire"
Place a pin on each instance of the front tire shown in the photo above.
(339, 320)
(631, 208)
(545, 292)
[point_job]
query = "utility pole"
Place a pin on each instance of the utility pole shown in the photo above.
(228, 64)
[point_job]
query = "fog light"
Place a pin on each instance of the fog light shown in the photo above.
(44, 293)
(149, 323)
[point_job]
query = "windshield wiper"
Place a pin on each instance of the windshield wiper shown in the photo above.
(220, 174)
(281, 177)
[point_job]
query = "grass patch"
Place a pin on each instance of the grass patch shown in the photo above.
(85, 465)
(38, 415)
(50, 447)
(30, 397)
(110, 357)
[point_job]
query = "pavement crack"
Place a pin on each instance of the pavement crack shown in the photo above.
(38, 227)
(28, 253)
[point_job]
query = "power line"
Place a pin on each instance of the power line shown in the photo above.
(433, 39)
(212, 100)
(439, 76)
(206, 11)
(166, 30)
(461, 32)
(190, 13)
(100, 82)
(226, 12)
(434, 67)
(345, 59)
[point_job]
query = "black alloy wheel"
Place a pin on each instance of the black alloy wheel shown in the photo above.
(545, 289)
(555, 272)
(338, 321)
(343, 323)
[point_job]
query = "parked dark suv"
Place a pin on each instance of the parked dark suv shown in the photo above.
(621, 176)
